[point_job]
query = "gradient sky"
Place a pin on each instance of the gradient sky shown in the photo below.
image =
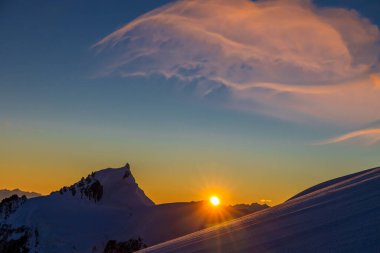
(248, 100)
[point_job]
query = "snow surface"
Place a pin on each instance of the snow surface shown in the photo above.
(341, 215)
(120, 190)
(328, 183)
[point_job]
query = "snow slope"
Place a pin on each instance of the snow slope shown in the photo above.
(328, 183)
(341, 215)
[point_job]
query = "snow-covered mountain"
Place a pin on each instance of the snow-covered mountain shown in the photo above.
(340, 215)
(102, 212)
(107, 188)
(4, 193)
(78, 218)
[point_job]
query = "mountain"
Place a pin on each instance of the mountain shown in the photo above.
(178, 219)
(340, 215)
(108, 188)
(102, 212)
(7, 193)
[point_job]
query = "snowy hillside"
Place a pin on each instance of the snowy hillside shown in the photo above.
(102, 212)
(341, 215)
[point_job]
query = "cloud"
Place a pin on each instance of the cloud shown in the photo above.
(372, 136)
(376, 80)
(285, 58)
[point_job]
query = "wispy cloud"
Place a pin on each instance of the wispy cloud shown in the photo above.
(371, 135)
(285, 58)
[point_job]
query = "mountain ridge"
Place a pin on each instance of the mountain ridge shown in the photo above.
(6, 193)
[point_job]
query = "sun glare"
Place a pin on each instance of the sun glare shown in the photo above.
(214, 200)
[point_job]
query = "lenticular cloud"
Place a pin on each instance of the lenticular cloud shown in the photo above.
(243, 42)
(291, 47)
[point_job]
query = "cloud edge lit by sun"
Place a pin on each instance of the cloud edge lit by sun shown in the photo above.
(306, 71)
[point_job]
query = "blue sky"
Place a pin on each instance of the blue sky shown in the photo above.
(61, 119)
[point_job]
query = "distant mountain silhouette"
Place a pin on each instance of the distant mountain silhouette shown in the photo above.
(7, 193)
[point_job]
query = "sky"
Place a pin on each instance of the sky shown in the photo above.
(248, 100)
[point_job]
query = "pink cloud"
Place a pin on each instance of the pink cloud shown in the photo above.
(288, 58)
(373, 135)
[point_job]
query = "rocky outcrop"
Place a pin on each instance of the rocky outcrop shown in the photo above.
(10, 205)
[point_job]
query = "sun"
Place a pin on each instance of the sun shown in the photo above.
(214, 200)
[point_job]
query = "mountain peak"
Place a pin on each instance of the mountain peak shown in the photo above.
(109, 187)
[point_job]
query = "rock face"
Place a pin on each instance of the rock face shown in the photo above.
(340, 215)
(19, 239)
(14, 238)
(129, 246)
(10, 205)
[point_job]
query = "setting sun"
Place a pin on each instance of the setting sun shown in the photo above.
(214, 200)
